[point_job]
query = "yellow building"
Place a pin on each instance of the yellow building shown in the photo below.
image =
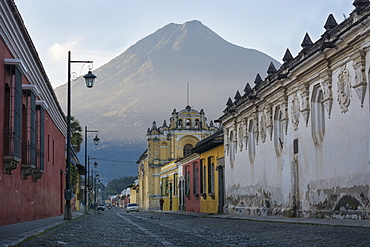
(166, 144)
(211, 151)
(169, 180)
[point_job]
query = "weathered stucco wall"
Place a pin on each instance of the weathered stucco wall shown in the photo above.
(298, 145)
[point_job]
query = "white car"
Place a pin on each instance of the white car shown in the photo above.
(132, 207)
(101, 207)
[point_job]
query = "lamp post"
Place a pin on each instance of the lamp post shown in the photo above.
(88, 176)
(89, 79)
(96, 142)
(95, 179)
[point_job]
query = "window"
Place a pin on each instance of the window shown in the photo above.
(166, 187)
(211, 175)
(318, 116)
(195, 179)
(29, 129)
(12, 119)
(201, 176)
(204, 179)
(162, 186)
(187, 149)
(188, 183)
(175, 185)
(40, 138)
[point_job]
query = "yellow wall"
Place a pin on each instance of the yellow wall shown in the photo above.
(169, 175)
(210, 203)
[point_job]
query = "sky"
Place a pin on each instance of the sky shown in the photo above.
(100, 30)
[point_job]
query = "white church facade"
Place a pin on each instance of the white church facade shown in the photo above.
(298, 142)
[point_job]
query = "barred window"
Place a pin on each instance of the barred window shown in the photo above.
(12, 114)
(40, 131)
(211, 175)
(29, 129)
(195, 179)
(187, 149)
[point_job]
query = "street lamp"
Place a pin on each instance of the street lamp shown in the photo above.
(88, 176)
(89, 79)
(96, 142)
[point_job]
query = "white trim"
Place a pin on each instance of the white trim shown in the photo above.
(42, 103)
(32, 88)
(16, 62)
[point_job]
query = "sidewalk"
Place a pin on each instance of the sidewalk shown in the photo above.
(280, 219)
(16, 233)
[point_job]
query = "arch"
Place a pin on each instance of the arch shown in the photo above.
(179, 124)
(187, 140)
(318, 116)
(347, 202)
(188, 123)
(196, 124)
(187, 149)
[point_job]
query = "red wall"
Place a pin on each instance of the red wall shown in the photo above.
(192, 203)
(25, 200)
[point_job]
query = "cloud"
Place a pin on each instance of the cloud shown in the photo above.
(57, 52)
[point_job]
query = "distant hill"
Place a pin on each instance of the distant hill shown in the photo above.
(148, 80)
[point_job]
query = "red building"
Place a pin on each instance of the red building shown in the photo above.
(191, 183)
(33, 128)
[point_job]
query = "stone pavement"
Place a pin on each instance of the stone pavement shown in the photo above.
(281, 219)
(16, 233)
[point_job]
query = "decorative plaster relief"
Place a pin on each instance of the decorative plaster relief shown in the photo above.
(255, 129)
(360, 76)
(227, 141)
(304, 105)
(245, 133)
(344, 89)
(269, 119)
(284, 116)
(241, 135)
(263, 126)
(326, 87)
(252, 126)
(295, 112)
(235, 137)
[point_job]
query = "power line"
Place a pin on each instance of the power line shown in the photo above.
(122, 161)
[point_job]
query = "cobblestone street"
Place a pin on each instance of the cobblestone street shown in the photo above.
(118, 228)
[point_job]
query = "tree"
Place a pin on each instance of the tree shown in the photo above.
(117, 185)
(76, 138)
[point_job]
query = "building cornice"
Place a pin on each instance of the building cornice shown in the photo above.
(20, 45)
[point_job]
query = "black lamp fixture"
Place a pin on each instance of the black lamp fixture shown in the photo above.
(95, 164)
(89, 79)
(96, 140)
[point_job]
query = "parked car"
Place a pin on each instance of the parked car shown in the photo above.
(101, 207)
(132, 207)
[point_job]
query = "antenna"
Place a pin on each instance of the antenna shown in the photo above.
(187, 93)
